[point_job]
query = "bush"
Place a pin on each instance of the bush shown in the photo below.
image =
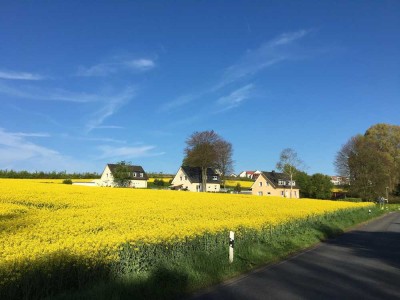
(67, 181)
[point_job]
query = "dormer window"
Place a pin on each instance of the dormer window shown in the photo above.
(281, 182)
(215, 177)
(141, 175)
(134, 174)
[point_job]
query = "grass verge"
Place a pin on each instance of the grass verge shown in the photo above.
(175, 271)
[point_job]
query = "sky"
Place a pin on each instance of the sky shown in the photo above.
(85, 83)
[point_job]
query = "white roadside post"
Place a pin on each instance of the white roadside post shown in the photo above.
(231, 244)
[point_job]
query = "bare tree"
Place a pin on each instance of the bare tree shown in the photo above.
(201, 152)
(207, 149)
(289, 163)
(342, 157)
(224, 161)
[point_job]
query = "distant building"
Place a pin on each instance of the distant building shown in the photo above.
(275, 184)
(139, 176)
(250, 174)
(340, 180)
(189, 178)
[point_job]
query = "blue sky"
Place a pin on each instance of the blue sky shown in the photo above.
(84, 83)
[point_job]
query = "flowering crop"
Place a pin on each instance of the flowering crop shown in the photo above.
(41, 219)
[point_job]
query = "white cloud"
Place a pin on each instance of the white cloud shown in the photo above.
(235, 98)
(268, 54)
(46, 94)
(111, 106)
(275, 51)
(31, 134)
(16, 152)
(12, 75)
(141, 64)
(115, 66)
(178, 102)
(109, 152)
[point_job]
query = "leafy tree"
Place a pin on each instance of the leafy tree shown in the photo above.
(202, 151)
(289, 163)
(159, 182)
(371, 161)
(237, 188)
(320, 186)
(122, 174)
(303, 181)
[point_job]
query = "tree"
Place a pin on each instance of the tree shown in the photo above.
(303, 181)
(203, 150)
(289, 163)
(224, 162)
(369, 162)
(320, 186)
(386, 138)
(122, 174)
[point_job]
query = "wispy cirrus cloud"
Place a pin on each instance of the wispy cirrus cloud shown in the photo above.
(31, 134)
(270, 53)
(17, 152)
(110, 107)
(235, 98)
(109, 102)
(108, 68)
(47, 94)
(108, 152)
(12, 75)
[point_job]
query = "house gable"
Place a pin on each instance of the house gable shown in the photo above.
(189, 178)
(139, 176)
(270, 184)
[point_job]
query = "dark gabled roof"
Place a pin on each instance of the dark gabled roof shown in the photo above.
(274, 177)
(133, 169)
(194, 174)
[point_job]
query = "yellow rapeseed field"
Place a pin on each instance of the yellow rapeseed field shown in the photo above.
(41, 218)
(243, 183)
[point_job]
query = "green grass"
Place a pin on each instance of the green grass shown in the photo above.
(185, 268)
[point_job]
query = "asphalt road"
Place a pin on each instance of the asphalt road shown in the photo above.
(361, 264)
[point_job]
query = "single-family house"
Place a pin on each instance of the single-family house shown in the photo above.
(190, 178)
(275, 184)
(138, 175)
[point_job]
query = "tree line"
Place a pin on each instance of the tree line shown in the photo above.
(46, 175)
(372, 162)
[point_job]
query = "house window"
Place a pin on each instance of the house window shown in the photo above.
(181, 178)
(215, 177)
(185, 177)
(281, 182)
(141, 175)
(269, 193)
(134, 174)
(266, 183)
(260, 193)
(260, 183)
(282, 193)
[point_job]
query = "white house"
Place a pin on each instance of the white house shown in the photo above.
(138, 174)
(189, 178)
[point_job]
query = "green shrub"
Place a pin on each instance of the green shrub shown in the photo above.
(67, 181)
